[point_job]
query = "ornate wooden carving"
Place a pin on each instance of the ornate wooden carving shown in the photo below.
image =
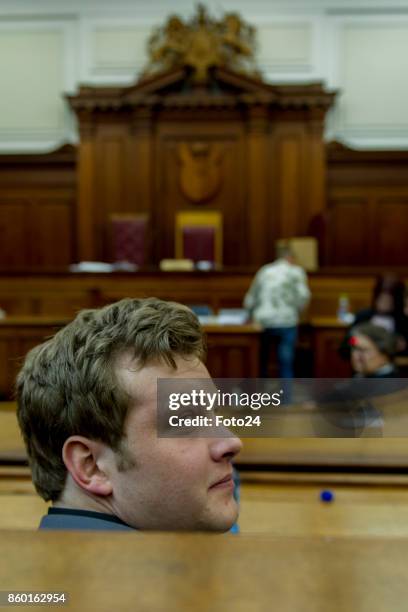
(200, 170)
(250, 150)
(37, 205)
(201, 45)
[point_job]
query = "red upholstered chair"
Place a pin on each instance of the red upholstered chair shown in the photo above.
(199, 236)
(129, 238)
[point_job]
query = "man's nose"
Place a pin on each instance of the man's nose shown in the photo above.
(225, 448)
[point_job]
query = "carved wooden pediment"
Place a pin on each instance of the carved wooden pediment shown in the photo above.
(224, 89)
(202, 64)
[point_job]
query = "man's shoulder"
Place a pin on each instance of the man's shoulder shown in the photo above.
(296, 271)
(281, 268)
(265, 269)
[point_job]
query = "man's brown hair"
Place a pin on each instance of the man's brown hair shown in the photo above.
(67, 385)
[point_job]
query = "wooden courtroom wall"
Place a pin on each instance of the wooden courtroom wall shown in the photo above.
(365, 222)
(37, 208)
(367, 207)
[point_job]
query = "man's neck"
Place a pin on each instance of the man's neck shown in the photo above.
(76, 499)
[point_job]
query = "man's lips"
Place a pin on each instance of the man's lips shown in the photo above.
(227, 481)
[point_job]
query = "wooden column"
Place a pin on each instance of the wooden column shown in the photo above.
(141, 169)
(86, 244)
(316, 169)
(259, 213)
(290, 176)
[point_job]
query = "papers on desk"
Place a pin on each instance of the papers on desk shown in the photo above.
(208, 319)
(102, 266)
(226, 316)
(232, 316)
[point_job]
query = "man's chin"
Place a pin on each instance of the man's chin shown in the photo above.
(222, 521)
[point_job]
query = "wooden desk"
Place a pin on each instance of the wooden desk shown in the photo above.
(18, 335)
(12, 449)
(347, 454)
(177, 572)
(63, 293)
(327, 336)
(233, 350)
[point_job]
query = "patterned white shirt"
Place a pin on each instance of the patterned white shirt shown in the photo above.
(277, 294)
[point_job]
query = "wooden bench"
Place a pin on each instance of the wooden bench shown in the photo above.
(153, 572)
(280, 453)
(361, 509)
(12, 449)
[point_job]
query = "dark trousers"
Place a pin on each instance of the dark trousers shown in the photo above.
(286, 343)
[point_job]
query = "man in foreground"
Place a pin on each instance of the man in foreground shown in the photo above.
(87, 407)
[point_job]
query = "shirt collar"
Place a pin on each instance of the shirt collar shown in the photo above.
(102, 516)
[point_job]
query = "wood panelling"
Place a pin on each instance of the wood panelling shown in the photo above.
(392, 217)
(315, 194)
(271, 187)
(86, 236)
(328, 334)
(290, 183)
(37, 210)
(233, 351)
(16, 339)
(269, 147)
(366, 219)
(351, 167)
(367, 224)
(50, 232)
(258, 190)
(36, 230)
(13, 230)
(347, 221)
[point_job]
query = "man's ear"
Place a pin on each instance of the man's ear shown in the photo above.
(82, 458)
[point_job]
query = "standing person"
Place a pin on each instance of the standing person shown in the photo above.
(87, 408)
(277, 294)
